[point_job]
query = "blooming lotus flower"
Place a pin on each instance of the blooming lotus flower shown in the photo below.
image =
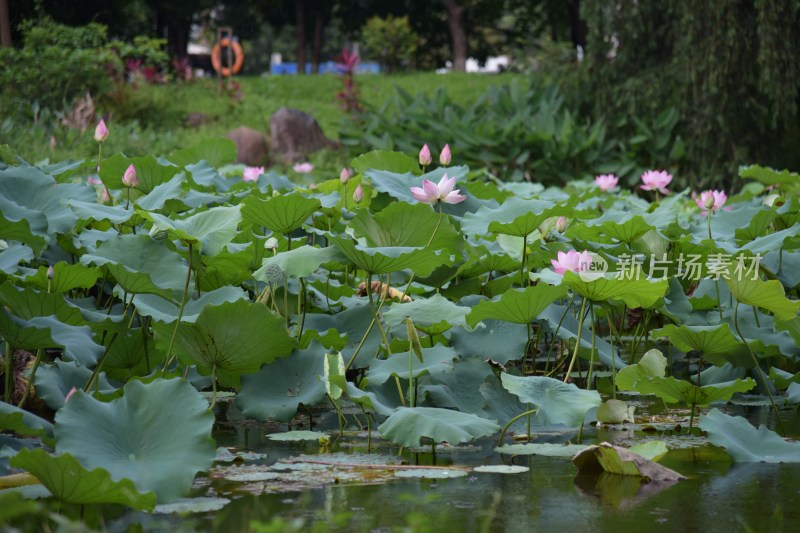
(445, 156)
(572, 261)
(561, 224)
(252, 173)
(656, 180)
(358, 194)
(101, 132)
(606, 181)
(425, 156)
(431, 193)
(105, 196)
(129, 178)
(344, 176)
(711, 200)
(303, 168)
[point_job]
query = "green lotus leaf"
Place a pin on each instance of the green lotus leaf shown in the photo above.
(232, 266)
(53, 382)
(745, 443)
(115, 214)
(208, 230)
(22, 422)
(385, 260)
(13, 256)
(436, 360)
(407, 426)
(541, 448)
(334, 375)
(369, 401)
(499, 341)
(717, 343)
(430, 473)
(281, 214)
(793, 393)
(626, 230)
(232, 339)
(352, 323)
(49, 332)
(216, 152)
(277, 390)
(397, 162)
(635, 293)
(768, 176)
(166, 311)
(769, 295)
(401, 224)
(133, 353)
(517, 217)
(653, 450)
(758, 226)
(558, 402)
(433, 315)
(70, 482)
(398, 184)
(624, 462)
(141, 265)
(298, 436)
(184, 506)
(298, 263)
(161, 193)
(14, 504)
(615, 412)
(20, 230)
(157, 434)
(65, 277)
(520, 306)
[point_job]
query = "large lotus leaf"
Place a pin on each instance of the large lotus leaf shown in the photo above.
(745, 443)
(352, 322)
(757, 226)
(27, 193)
(793, 393)
(408, 425)
(70, 482)
(13, 256)
(20, 230)
(634, 292)
(233, 339)
(384, 160)
(277, 390)
(281, 214)
(210, 230)
(652, 364)
(624, 462)
(131, 354)
(157, 434)
(149, 172)
(216, 151)
(141, 265)
(520, 306)
(115, 214)
(53, 382)
(499, 341)
(368, 400)
(166, 311)
(769, 295)
(769, 176)
(29, 303)
(390, 259)
(436, 360)
(49, 332)
(516, 217)
(169, 190)
(65, 277)
(398, 184)
(232, 266)
(461, 388)
(12, 418)
(298, 263)
(558, 402)
(716, 343)
(434, 315)
(626, 230)
(401, 224)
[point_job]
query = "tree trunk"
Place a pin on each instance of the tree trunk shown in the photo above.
(5, 24)
(317, 41)
(455, 21)
(577, 25)
(300, 21)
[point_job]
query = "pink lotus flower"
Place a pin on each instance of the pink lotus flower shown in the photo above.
(252, 173)
(572, 261)
(344, 176)
(656, 180)
(91, 180)
(129, 178)
(711, 200)
(358, 194)
(425, 156)
(101, 132)
(105, 196)
(606, 181)
(445, 156)
(431, 193)
(303, 168)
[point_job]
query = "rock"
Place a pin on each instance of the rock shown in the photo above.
(251, 145)
(195, 120)
(294, 135)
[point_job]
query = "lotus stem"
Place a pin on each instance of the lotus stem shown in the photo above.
(213, 387)
(99, 367)
(577, 341)
(433, 235)
(168, 358)
(508, 425)
(594, 347)
(558, 328)
(524, 261)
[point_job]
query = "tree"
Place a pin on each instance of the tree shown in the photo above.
(458, 36)
(5, 24)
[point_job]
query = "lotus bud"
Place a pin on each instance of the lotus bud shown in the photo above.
(51, 272)
(425, 156)
(158, 234)
(710, 201)
(3, 245)
(358, 195)
(101, 132)
(129, 178)
(271, 243)
(344, 176)
(561, 224)
(105, 196)
(445, 156)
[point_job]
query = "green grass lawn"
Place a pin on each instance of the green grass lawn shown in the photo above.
(151, 119)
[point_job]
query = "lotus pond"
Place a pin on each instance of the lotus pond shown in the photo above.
(189, 344)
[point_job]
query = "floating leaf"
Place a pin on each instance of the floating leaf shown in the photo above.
(408, 425)
(653, 450)
(297, 436)
(157, 434)
(745, 443)
(191, 505)
(617, 460)
(558, 402)
(541, 448)
(615, 412)
(520, 306)
(501, 469)
(430, 473)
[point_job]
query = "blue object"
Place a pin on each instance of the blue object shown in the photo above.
(329, 67)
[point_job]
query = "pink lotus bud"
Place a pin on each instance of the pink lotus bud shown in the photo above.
(72, 391)
(252, 173)
(344, 176)
(105, 196)
(445, 157)
(425, 156)
(101, 132)
(51, 272)
(358, 195)
(303, 168)
(129, 178)
(561, 224)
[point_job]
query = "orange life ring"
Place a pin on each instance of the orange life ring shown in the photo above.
(238, 56)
